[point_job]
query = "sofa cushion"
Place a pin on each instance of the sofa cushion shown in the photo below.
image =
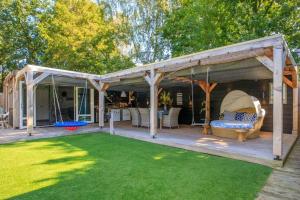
(231, 124)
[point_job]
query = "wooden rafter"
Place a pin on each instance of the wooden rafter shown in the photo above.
(183, 79)
(159, 91)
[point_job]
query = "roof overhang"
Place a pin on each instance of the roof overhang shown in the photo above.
(58, 72)
(226, 54)
(241, 61)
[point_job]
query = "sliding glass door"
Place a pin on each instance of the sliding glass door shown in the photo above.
(23, 110)
(84, 104)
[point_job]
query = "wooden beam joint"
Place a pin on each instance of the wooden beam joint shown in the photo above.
(293, 83)
(40, 78)
(153, 78)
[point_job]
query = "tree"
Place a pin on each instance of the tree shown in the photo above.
(198, 25)
(20, 40)
(80, 38)
(145, 20)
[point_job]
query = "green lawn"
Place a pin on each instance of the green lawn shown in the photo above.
(101, 166)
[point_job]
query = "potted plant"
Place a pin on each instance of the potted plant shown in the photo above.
(165, 99)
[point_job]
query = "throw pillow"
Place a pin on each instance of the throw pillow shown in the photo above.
(230, 116)
(239, 116)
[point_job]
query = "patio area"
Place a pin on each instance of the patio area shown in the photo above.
(186, 137)
(257, 150)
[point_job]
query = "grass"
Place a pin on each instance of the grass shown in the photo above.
(101, 166)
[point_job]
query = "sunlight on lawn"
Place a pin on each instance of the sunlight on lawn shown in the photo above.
(37, 165)
(94, 166)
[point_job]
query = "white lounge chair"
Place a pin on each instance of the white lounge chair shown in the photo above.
(135, 117)
(171, 120)
(145, 117)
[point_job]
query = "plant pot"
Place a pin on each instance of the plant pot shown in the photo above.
(165, 108)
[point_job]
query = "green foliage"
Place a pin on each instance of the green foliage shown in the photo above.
(145, 18)
(107, 35)
(19, 34)
(80, 38)
(74, 35)
(102, 166)
(203, 24)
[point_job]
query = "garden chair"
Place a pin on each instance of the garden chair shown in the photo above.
(171, 120)
(135, 117)
(4, 120)
(145, 117)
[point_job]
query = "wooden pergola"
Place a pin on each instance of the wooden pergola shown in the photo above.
(271, 53)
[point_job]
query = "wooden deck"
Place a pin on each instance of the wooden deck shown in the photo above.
(284, 183)
(256, 150)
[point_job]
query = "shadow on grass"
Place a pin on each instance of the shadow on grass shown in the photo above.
(111, 167)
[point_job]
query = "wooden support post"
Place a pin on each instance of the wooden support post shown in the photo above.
(16, 104)
(293, 83)
(101, 87)
(207, 111)
(279, 60)
(30, 102)
(153, 110)
(101, 111)
(295, 111)
(153, 80)
(207, 88)
(111, 124)
(102, 90)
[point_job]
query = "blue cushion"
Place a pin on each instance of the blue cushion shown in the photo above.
(229, 115)
(231, 124)
(239, 116)
(70, 123)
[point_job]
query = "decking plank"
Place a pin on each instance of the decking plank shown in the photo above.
(284, 183)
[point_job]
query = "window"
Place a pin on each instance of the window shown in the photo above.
(284, 93)
(179, 100)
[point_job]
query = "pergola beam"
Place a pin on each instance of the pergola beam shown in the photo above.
(61, 72)
(169, 65)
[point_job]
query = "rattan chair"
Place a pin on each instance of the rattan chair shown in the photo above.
(135, 117)
(171, 120)
(4, 120)
(145, 117)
